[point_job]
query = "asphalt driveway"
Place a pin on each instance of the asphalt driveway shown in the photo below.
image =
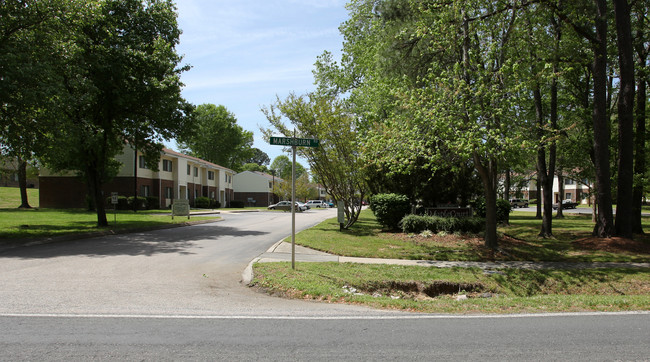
(194, 270)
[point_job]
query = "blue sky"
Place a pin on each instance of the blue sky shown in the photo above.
(245, 52)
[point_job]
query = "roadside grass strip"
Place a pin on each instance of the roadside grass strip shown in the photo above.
(459, 290)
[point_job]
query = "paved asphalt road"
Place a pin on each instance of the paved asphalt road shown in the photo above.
(192, 270)
(548, 338)
(176, 295)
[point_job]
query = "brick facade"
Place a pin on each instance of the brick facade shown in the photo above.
(261, 198)
(70, 192)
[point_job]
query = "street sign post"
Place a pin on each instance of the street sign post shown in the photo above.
(293, 142)
(114, 201)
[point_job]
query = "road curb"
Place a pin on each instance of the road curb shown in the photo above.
(247, 274)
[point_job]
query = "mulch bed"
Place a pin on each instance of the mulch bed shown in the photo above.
(613, 245)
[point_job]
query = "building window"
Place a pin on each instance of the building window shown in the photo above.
(169, 193)
(188, 169)
(196, 172)
(196, 193)
(568, 181)
(144, 190)
(210, 175)
(270, 185)
(142, 162)
(568, 196)
(212, 195)
(167, 165)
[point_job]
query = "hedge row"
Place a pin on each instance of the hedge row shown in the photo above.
(503, 209)
(206, 203)
(126, 203)
(435, 224)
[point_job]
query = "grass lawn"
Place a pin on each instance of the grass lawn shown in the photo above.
(10, 197)
(435, 290)
(34, 223)
(519, 241)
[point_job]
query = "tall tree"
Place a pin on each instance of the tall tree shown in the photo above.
(31, 34)
(123, 86)
(259, 157)
(281, 165)
(218, 138)
(624, 199)
(540, 33)
(590, 22)
(641, 50)
(335, 162)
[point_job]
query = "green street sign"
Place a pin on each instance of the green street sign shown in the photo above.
(289, 141)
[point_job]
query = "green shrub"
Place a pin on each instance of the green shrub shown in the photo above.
(472, 225)
(215, 204)
(415, 224)
(202, 202)
(236, 204)
(122, 203)
(503, 209)
(153, 202)
(141, 202)
(389, 209)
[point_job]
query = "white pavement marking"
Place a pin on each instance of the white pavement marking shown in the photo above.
(360, 317)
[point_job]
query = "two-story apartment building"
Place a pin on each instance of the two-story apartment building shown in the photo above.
(576, 191)
(179, 176)
(255, 188)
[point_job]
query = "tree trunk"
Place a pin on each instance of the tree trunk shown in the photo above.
(604, 225)
(489, 174)
(135, 178)
(639, 141)
(506, 185)
(543, 171)
(22, 183)
(625, 184)
(538, 215)
(93, 181)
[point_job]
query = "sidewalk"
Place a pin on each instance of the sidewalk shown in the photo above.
(281, 251)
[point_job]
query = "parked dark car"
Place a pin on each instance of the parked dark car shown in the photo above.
(566, 204)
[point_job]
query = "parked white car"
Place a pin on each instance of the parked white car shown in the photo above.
(317, 203)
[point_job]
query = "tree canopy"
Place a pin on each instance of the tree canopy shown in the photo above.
(439, 84)
(335, 162)
(281, 165)
(116, 76)
(216, 137)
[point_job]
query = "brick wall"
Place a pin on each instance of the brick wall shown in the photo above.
(262, 198)
(70, 192)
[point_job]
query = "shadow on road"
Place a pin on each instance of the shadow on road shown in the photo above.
(177, 240)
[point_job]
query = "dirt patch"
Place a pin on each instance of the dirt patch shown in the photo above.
(420, 290)
(446, 239)
(613, 245)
